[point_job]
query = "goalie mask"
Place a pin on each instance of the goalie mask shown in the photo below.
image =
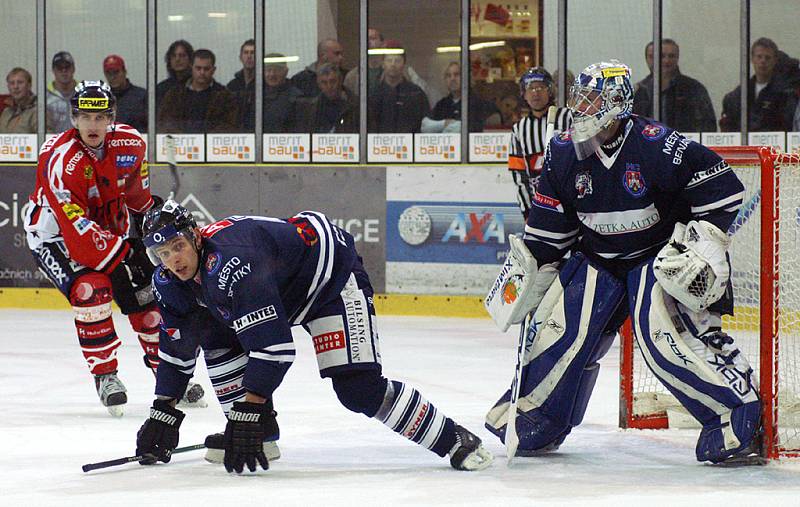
(600, 95)
(163, 224)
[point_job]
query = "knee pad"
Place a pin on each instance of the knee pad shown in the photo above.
(360, 391)
(90, 297)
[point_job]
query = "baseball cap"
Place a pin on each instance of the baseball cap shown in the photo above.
(113, 62)
(63, 58)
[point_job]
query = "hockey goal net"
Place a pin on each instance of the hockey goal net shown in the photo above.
(765, 257)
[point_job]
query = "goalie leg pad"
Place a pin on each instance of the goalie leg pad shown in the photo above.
(698, 364)
(561, 363)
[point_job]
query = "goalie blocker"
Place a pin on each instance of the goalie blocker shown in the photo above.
(687, 351)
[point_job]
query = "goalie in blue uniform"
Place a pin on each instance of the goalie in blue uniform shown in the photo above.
(234, 290)
(630, 218)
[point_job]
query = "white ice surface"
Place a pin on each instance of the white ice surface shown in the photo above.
(51, 423)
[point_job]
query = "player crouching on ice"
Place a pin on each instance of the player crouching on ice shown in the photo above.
(82, 225)
(644, 215)
(235, 289)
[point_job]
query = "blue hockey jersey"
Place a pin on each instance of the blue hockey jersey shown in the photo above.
(621, 209)
(259, 276)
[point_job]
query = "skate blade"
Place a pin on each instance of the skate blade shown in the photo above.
(116, 410)
(217, 456)
(201, 403)
(743, 461)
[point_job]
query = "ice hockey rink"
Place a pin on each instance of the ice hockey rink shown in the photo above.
(52, 423)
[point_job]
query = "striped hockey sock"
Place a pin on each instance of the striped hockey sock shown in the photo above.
(408, 413)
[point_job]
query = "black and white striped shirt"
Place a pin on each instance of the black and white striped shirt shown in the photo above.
(527, 146)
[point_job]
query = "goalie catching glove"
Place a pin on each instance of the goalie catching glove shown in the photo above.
(693, 266)
(519, 287)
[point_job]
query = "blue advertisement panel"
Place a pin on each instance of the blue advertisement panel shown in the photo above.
(450, 232)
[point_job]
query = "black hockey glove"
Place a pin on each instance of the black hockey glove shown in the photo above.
(158, 436)
(132, 278)
(244, 435)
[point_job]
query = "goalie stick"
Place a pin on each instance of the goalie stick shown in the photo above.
(130, 459)
(512, 439)
(169, 146)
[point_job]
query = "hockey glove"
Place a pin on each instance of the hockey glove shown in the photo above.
(158, 436)
(131, 279)
(244, 436)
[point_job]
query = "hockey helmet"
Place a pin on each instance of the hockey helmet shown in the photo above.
(536, 75)
(163, 223)
(93, 97)
(600, 94)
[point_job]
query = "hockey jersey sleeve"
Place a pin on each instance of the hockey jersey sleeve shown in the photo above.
(705, 180)
(137, 188)
(552, 225)
(67, 190)
(184, 324)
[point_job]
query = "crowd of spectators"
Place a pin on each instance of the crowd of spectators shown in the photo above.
(323, 97)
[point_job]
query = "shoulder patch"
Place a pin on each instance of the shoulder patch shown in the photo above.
(161, 277)
(563, 138)
(213, 262)
(653, 132)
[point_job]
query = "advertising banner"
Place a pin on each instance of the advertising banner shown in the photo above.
(774, 139)
(489, 147)
(231, 147)
(342, 148)
(287, 148)
(188, 147)
(437, 147)
(391, 148)
(17, 267)
(722, 138)
(18, 148)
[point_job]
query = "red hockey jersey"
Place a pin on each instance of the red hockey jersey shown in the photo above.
(84, 201)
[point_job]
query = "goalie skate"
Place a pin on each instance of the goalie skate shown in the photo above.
(193, 397)
(112, 393)
(215, 448)
(468, 453)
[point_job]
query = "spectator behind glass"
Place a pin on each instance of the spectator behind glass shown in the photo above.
(769, 100)
(131, 99)
(59, 91)
(19, 115)
(280, 96)
(569, 79)
(179, 67)
(685, 104)
(446, 115)
(246, 77)
(201, 105)
(328, 51)
(397, 105)
(334, 110)
(374, 65)
(509, 106)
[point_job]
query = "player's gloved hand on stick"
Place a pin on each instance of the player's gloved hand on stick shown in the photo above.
(158, 436)
(244, 436)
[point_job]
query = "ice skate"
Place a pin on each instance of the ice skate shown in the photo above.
(468, 453)
(111, 391)
(215, 448)
(193, 397)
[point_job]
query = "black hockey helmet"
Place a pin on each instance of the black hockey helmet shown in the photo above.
(534, 75)
(93, 97)
(163, 223)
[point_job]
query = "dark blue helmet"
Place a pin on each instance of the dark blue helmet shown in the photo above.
(163, 223)
(534, 75)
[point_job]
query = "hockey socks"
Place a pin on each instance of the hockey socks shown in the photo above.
(408, 413)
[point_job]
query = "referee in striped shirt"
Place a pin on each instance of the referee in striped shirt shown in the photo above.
(527, 135)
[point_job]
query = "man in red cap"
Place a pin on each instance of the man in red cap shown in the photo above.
(131, 99)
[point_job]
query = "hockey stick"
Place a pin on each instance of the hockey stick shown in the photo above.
(169, 145)
(121, 461)
(512, 439)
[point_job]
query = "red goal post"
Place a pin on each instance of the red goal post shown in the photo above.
(765, 257)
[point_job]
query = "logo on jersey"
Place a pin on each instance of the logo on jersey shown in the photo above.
(124, 161)
(305, 230)
(161, 277)
(224, 312)
(563, 138)
(583, 184)
(87, 172)
(653, 132)
(72, 210)
(633, 181)
(173, 333)
(213, 262)
(543, 201)
(82, 225)
(255, 318)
